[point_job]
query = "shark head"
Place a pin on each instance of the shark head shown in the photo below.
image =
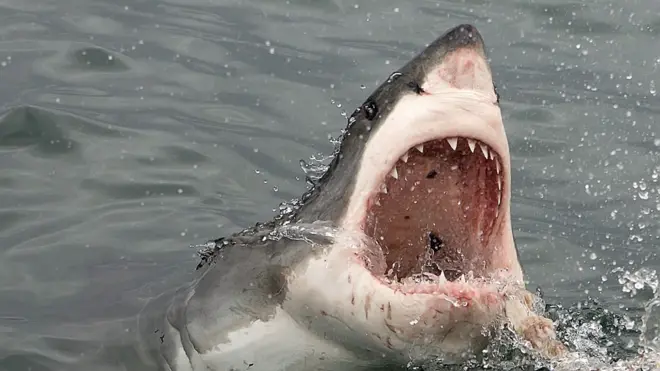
(420, 187)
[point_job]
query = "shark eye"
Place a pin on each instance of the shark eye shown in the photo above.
(497, 95)
(415, 87)
(370, 110)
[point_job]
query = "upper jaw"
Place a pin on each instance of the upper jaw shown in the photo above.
(418, 119)
(414, 121)
(476, 147)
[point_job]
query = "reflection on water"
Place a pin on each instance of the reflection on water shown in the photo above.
(130, 130)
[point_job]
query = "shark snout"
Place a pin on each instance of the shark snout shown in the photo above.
(461, 63)
(463, 36)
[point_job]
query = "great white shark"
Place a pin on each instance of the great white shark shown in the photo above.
(402, 251)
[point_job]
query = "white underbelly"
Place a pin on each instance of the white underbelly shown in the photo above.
(279, 344)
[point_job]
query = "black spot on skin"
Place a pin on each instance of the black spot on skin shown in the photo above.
(406, 217)
(415, 87)
(370, 110)
(435, 243)
(431, 174)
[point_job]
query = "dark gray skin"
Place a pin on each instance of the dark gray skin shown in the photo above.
(243, 277)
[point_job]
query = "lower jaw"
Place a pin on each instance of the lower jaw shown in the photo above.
(482, 278)
(466, 288)
(450, 288)
(472, 260)
(428, 269)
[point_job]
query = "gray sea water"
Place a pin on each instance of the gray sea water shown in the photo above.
(132, 129)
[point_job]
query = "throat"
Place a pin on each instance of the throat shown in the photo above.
(437, 211)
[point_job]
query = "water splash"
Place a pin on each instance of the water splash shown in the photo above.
(605, 341)
(599, 339)
(634, 282)
(310, 233)
(315, 167)
(649, 338)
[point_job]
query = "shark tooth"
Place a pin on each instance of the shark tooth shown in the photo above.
(472, 143)
(484, 150)
(453, 142)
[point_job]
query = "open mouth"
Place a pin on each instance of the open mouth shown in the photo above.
(437, 213)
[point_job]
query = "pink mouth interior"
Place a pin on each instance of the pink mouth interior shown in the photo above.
(441, 214)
